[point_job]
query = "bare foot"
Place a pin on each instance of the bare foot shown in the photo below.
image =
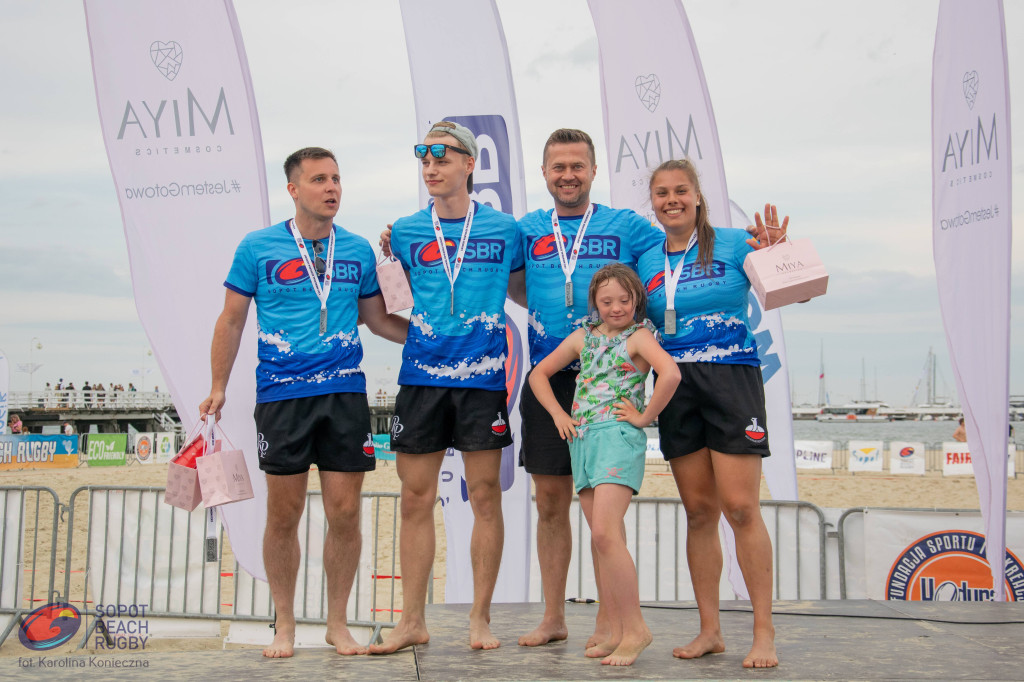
(762, 654)
(480, 636)
(601, 650)
(703, 643)
(602, 633)
(283, 645)
(341, 639)
(403, 636)
(628, 650)
(547, 631)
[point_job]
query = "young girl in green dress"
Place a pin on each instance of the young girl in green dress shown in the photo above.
(607, 444)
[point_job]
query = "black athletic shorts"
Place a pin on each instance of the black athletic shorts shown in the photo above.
(433, 419)
(331, 431)
(718, 406)
(543, 451)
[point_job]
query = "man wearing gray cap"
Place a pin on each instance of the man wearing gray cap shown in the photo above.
(458, 255)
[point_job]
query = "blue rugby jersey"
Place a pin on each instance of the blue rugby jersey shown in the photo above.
(467, 349)
(711, 304)
(613, 235)
(295, 361)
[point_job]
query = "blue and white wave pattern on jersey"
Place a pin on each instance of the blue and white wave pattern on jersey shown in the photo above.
(613, 235)
(710, 303)
(467, 349)
(295, 361)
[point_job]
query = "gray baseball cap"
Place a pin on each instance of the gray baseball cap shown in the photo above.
(460, 132)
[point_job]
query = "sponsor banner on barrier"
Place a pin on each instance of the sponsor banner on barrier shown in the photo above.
(144, 448)
(906, 458)
(866, 455)
(956, 459)
(654, 449)
(163, 446)
(938, 556)
(107, 449)
(813, 454)
(38, 452)
(382, 447)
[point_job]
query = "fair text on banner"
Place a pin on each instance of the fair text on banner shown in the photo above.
(179, 123)
(971, 235)
(484, 102)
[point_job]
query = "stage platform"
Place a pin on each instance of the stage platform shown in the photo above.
(824, 640)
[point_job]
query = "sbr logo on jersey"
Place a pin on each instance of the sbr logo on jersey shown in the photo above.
(292, 272)
(428, 254)
(950, 565)
(492, 177)
(593, 246)
(368, 449)
(657, 283)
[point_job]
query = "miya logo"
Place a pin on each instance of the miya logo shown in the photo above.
(166, 58)
(648, 89)
(970, 84)
(492, 177)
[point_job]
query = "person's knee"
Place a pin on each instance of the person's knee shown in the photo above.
(741, 514)
(417, 502)
(553, 502)
(485, 498)
(701, 515)
(605, 537)
(285, 515)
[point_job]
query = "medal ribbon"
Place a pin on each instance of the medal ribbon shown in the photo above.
(467, 224)
(672, 276)
(322, 292)
(569, 264)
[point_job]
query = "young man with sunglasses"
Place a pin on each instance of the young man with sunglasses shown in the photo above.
(459, 255)
(311, 403)
(563, 248)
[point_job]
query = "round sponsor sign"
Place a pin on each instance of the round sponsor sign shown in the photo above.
(950, 565)
(144, 449)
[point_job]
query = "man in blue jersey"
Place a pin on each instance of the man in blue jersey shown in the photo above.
(458, 255)
(563, 248)
(310, 393)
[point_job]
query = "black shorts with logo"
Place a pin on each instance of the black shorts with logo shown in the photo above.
(718, 406)
(433, 419)
(543, 451)
(331, 431)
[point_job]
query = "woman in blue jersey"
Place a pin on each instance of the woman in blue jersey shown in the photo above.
(713, 430)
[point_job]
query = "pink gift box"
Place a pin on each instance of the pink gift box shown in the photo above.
(182, 489)
(784, 273)
(394, 285)
(223, 478)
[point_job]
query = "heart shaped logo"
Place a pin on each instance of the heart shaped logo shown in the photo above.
(166, 58)
(970, 88)
(648, 89)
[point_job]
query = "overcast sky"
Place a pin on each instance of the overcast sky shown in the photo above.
(822, 108)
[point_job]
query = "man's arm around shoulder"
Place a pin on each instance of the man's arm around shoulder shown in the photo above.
(374, 314)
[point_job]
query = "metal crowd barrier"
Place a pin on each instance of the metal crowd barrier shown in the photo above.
(27, 551)
(656, 538)
(161, 561)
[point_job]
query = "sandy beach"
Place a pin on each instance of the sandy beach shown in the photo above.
(837, 490)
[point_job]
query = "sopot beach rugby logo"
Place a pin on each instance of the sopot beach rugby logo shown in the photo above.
(49, 626)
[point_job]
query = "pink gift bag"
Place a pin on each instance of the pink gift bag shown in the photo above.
(182, 489)
(788, 271)
(223, 475)
(393, 284)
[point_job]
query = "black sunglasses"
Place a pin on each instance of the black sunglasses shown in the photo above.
(319, 263)
(436, 150)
